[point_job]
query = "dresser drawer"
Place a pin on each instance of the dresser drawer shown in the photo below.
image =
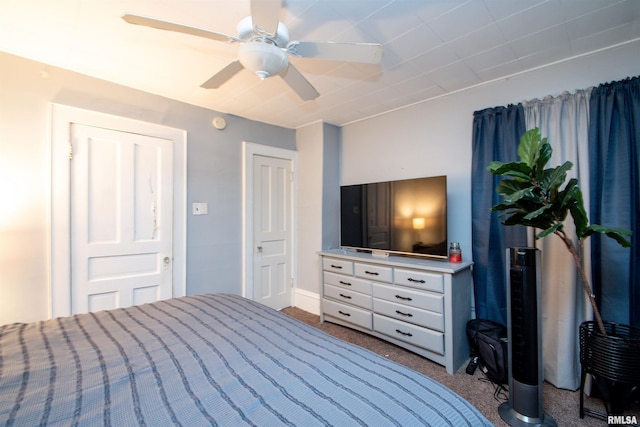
(348, 296)
(420, 279)
(428, 319)
(378, 273)
(412, 334)
(423, 300)
(337, 265)
(347, 282)
(347, 313)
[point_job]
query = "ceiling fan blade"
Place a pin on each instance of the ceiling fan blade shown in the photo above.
(223, 75)
(265, 15)
(171, 26)
(299, 84)
(351, 52)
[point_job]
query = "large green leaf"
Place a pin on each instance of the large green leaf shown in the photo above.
(518, 218)
(528, 148)
(528, 193)
(516, 169)
(543, 156)
(579, 214)
(513, 218)
(617, 234)
(550, 230)
(618, 237)
(538, 212)
(506, 187)
(569, 195)
(501, 207)
(554, 177)
(495, 167)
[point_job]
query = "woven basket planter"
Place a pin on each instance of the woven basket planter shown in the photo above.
(613, 360)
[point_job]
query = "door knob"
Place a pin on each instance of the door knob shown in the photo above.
(166, 260)
(259, 248)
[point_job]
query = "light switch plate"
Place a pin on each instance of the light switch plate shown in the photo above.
(199, 208)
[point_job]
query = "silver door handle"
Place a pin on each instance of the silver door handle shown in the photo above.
(259, 248)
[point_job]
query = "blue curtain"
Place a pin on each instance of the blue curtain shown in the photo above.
(614, 156)
(496, 135)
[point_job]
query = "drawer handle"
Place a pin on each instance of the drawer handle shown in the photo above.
(406, 334)
(345, 283)
(343, 313)
(373, 273)
(415, 280)
(404, 314)
(345, 296)
(336, 266)
(403, 298)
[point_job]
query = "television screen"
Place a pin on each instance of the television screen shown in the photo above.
(407, 217)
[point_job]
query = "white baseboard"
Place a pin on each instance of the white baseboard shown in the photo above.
(307, 301)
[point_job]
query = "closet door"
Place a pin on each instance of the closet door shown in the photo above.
(121, 218)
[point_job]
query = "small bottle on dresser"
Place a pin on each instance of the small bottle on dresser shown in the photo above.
(455, 254)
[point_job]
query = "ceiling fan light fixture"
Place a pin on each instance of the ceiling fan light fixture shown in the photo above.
(263, 59)
(265, 48)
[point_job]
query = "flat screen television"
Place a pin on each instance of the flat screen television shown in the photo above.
(405, 217)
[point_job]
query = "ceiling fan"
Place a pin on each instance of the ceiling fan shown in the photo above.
(264, 46)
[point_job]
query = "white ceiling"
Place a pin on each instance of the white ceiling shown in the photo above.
(431, 47)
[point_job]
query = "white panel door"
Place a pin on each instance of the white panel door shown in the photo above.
(272, 235)
(121, 219)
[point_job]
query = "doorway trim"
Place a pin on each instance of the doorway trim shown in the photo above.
(61, 117)
(249, 149)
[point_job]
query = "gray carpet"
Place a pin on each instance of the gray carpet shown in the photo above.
(562, 405)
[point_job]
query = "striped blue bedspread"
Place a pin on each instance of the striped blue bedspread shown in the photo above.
(208, 360)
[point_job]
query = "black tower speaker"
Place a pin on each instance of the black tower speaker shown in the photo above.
(524, 407)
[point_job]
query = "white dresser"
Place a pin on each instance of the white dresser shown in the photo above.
(421, 305)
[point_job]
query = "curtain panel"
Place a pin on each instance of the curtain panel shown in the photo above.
(614, 136)
(496, 135)
(564, 121)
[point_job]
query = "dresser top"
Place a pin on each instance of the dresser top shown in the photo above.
(443, 266)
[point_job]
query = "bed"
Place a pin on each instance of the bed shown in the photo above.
(213, 359)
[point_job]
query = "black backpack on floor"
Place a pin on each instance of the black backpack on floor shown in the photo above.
(488, 340)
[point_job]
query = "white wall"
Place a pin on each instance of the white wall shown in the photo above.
(331, 181)
(318, 206)
(318, 202)
(434, 138)
(309, 232)
(214, 175)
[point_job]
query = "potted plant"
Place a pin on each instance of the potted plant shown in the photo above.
(533, 196)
